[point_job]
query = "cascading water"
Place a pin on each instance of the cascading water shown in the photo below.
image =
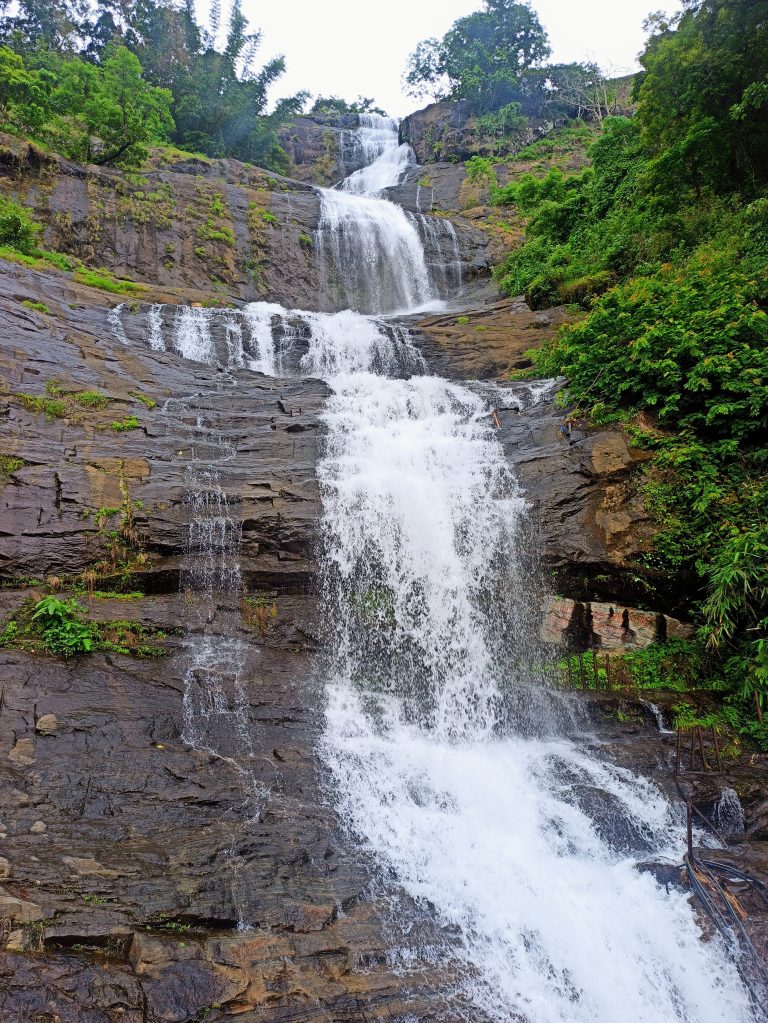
(386, 160)
(371, 252)
(449, 760)
(524, 845)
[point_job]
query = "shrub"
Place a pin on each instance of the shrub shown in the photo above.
(61, 629)
(17, 228)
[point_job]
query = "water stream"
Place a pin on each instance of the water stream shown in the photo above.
(450, 761)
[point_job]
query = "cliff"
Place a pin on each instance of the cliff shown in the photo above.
(187, 228)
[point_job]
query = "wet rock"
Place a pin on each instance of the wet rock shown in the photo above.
(611, 820)
(48, 724)
(486, 338)
(607, 626)
(321, 150)
(20, 911)
(587, 517)
(23, 752)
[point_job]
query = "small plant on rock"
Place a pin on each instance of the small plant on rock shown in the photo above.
(61, 629)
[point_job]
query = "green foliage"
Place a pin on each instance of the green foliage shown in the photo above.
(480, 170)
(39, 307)
(127, 423)
(664, 240)
(483, 57)
(98, 82)
(702, 101)
(61, 628)
(144, 399)
(17, 228)
(9, 464)
(52, 408)
(505, 121)
(334, 106)
(56, 404)
(677, 666)
(58, 627)
(106, 281)
(90, 399)
(23, 93)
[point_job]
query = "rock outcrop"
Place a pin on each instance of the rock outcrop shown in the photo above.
(448, 131)
(322, 150)
(188, 228)
(571, 623)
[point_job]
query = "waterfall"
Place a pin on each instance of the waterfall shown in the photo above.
(525, 845)
(450, 761)
(217, 717)
(451, 765)
(386, 161)
(371, 254)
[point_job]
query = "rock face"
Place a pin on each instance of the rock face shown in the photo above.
(587, 516)
(130, 855)
(489, 337)
(189, 228)
(571, 623)
(322, 150)
(448, 131)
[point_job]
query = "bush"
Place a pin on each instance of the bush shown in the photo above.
(17, 228)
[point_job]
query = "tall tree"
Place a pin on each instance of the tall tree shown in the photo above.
(484, 56)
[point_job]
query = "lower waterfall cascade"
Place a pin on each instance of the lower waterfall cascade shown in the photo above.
(462, 776)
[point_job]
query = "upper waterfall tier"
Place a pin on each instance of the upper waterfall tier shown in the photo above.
(386, 161)
(371, 253)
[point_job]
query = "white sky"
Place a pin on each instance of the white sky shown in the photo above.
(349, 47)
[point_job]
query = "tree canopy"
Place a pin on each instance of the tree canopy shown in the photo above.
(101, 80)
(483, 57)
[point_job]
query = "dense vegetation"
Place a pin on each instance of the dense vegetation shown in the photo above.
(664, 242)
(100, 82)
(495, 58)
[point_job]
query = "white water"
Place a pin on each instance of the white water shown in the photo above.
(450, 763)
(386, 161)
(524, 846)
(371, 256)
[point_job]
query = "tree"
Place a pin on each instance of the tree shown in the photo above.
(334, 106)
(425, 73)
(576, 90)
(43, 24)
(110, 112)
(702, 101)
(219, 95)
(483, 57)
(24, 102)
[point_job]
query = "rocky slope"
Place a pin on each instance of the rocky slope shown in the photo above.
(128, 855)
(187, 228)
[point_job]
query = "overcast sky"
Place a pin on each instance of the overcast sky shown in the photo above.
(349, 48)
